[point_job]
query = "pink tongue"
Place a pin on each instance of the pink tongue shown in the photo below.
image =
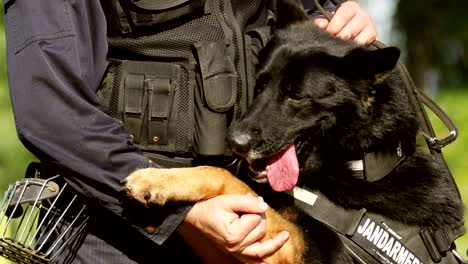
(284, 170)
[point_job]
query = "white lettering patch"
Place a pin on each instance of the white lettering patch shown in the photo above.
(383, 243)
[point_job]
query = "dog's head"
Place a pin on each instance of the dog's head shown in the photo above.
(316, 95)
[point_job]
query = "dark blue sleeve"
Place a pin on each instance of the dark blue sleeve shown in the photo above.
(56, 56)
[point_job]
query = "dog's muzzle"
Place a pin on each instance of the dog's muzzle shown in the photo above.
(39, 220)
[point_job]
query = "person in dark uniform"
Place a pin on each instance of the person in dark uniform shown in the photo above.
(58, 57)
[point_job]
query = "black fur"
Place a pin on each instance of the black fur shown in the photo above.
(336, 101)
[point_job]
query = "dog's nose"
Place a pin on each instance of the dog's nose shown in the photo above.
(239, 142)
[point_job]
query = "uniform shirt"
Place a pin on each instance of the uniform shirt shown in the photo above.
(56, 55)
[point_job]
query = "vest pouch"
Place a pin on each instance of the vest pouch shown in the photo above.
(215, 96)
(148, 102)
(160, 99)
(142, 95)
(133, 100)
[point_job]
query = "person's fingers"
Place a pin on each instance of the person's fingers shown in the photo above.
(321, 22)
(256, 233)
(353, 27)
(260, 250)
(366, 36)
(342, 16)
(361, 25)
(245, 203)
(242, 228)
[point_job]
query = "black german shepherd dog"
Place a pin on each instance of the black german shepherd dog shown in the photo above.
(322, 105)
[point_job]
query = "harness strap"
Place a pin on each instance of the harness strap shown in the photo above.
(439, 241)
(358, 253)
(321, 208)
(436, 143)
(372, 239)
(444, 237)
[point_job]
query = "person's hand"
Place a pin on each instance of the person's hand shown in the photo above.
(235, 223)
(350, 21)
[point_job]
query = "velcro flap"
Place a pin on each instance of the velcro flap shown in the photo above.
(218, 75)
(161, 97)
(134, 93)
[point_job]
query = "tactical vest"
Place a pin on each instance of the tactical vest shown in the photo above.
(180, 71)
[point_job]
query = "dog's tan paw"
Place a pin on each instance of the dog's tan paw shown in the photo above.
(148, 186)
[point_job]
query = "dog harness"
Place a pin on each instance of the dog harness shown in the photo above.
(374, 239)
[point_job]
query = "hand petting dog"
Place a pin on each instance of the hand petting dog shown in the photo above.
(350, 21)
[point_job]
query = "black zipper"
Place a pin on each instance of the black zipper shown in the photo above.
(239, 58)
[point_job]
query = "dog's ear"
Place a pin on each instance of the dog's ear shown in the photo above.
(289, 12)
(373, 65)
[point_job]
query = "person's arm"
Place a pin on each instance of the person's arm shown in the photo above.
(56, 56)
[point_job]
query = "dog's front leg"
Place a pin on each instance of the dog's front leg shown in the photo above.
(158, 186)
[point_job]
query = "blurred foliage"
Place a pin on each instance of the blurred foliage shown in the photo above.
(13, 156)
(435, 36)
(453, 101)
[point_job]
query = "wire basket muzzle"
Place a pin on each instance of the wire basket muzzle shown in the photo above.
(39, 219)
